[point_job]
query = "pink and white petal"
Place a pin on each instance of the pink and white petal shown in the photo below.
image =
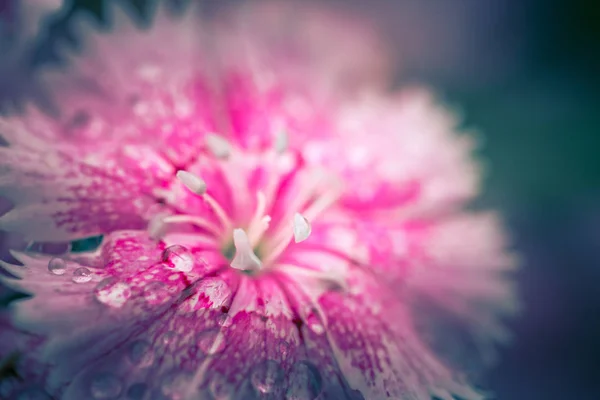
(401, 153)
(56, 197)
(465, 269)
(372, 333)
(135, 283)
(283, 67)
(221, 333)
(129, 84)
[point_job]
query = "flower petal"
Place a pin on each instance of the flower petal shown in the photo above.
(383, 356)
(58, 198)
(399, 154)
(129, 84)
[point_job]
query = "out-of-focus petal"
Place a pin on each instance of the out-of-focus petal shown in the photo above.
(461, 264)
(153, 86)
(399, 155)
(56, 197)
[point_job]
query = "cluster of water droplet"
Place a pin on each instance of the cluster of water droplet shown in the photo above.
(115, 293)
(267, 378)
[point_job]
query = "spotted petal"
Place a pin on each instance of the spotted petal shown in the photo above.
(401, 155)
(58, 198)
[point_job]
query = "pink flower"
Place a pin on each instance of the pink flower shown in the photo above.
(271, 217)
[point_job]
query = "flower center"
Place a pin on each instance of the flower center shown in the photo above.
(254, 245)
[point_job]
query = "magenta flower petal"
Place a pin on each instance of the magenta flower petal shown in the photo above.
(269, 230)
(57, 197)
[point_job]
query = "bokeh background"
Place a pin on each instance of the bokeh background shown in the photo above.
(525, 74)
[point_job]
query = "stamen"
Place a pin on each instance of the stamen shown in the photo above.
(157, 226)
(323, 202)
(333, 278)
(218, 145)
(244, 258)
(194, 220)
(301, 228)
(193, 182)
(301, 231)
(256, 225)
(281, 142)
(263, 225)
(197, 185)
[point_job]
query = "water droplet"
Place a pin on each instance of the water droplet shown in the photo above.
(137, 391)
(220, 389)
(305, 382)
(156, 293)
(211, 341)
(112, 292)
(106, 386)
(140, 353)
(314, 323)
(175, 384)
(57, 266)
(267, 376)
(179, 257)
(33, 394)
(82, 275)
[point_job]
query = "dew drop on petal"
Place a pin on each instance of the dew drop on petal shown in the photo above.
(267, 376)
(33, 394)
(141, 354)
(82, 275)
(137, 391)
(211, 341)
(179, 257)
(304, 382)
(112, 293)
(57, 266)
(314, 323)
(106, 386)
(156, 293)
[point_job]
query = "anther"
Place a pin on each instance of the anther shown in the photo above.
(193, 182)
(302, 228)
(218, 145)
(281, 142)
(300, 232)
(244, 258)
(197, 185)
